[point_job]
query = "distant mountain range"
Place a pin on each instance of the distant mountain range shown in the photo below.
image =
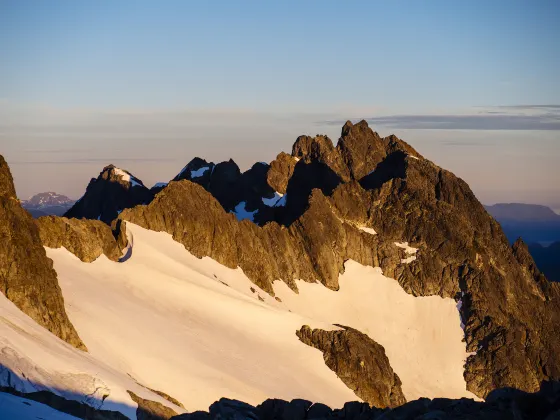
(47, 203)
(539, 226)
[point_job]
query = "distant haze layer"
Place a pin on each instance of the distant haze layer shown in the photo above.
(60, 150)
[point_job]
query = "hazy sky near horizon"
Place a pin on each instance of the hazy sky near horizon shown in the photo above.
(147, 86)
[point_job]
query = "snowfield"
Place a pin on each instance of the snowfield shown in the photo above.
(168, 319)
(198, 331)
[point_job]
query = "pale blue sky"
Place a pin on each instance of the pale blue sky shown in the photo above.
(151, 84)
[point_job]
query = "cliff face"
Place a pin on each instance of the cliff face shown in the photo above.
(511, 314)
(27, 277)
(87, 239)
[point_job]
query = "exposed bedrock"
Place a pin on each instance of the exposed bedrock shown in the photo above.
(359, 362)
(87, 239)
(27, 277)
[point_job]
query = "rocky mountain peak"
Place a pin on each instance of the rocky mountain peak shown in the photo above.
(47, 199)
(360, 148)
(7, 188)
(107, 195)
(197, 169)
(318, 147)
(111, 173)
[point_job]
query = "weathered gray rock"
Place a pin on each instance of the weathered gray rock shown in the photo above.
(27, 277)
(87, 239)
(360, 362)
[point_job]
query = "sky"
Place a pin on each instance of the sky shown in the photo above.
(147, 86)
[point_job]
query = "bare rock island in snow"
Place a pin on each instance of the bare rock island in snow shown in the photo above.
(236, 282)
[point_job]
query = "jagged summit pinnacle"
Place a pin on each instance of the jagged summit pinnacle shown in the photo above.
(107, 195)
(6, 181)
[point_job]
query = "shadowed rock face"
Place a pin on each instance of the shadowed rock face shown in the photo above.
(112, 191)
(87, 239)
(502, 404)
(359, 362)
(27, 277)
(511, 313)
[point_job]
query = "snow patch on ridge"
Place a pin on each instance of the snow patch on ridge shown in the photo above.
(241, 213)
(368, 230)
(125, 176)
(409, 250)
(199, 172)
(274, 201)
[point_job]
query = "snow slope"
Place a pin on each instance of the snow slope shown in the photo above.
(422, 336)
(199, 331)
(33, 359)
(168, 319)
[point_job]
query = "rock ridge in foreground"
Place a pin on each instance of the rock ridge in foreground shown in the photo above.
(27, 276)
(501, 404)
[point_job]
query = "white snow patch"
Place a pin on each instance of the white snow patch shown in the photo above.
(413, 157)
(191, 327)
(409, 250)
(282, 202)
(199, 172)
(421, 335)
(12, 407)
(160, 185)
(272, 202)
(241, 213)
(125, 176)
(368, 230)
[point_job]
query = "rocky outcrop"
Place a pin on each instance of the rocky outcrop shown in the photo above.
(108, 194)
(86, 239)
(360, 362)
(27, 277)
(312, 248)
(151, 410)
(280, 172)
(502, 404)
